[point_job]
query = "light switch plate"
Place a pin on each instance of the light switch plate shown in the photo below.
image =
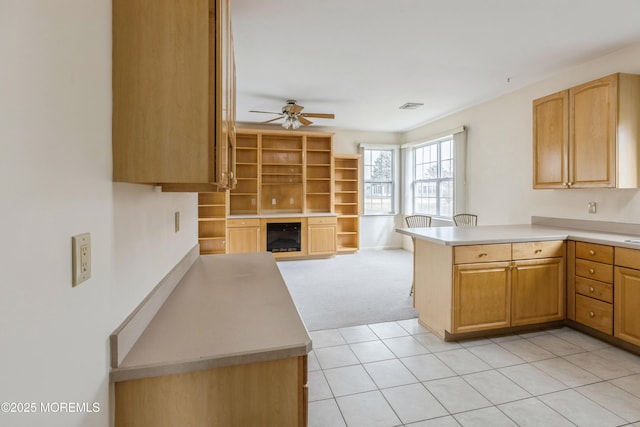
(80, 258)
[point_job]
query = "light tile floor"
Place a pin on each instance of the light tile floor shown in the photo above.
(399, 374)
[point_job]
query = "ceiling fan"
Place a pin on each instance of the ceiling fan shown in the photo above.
(293, 115)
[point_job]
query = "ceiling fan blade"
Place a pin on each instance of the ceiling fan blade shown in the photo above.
(319, 115)
(295, 108)
(267, 112)
(304, 121)
(273, 120)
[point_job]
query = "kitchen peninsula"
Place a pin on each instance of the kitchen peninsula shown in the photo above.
(227, 347)
(474, 281)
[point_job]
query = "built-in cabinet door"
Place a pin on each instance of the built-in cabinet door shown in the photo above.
(322, 239)
(626, 291)
(592, 133)
(537, 291)
(551, 141)
(243, 236)
(482, 296)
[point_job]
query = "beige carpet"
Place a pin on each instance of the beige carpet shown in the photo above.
(370, 286)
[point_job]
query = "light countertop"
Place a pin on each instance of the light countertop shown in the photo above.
(227, 310)
(489, 234)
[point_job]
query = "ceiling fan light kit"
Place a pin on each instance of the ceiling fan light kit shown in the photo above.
(293, 115)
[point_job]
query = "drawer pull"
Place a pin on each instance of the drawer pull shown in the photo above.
(591, 271)
(592, 252)
(538, 251)
(591, 314)
(591, 289)
(482, 254)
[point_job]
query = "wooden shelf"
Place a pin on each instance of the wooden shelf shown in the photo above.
(347, 202)
(213, 209)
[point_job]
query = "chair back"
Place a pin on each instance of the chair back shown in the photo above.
(417, 221)
(465, 220)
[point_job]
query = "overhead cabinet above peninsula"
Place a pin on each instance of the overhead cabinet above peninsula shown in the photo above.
(173, 94)
(588, 136)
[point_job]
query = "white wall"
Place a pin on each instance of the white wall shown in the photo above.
(55, 182)
(499, 148)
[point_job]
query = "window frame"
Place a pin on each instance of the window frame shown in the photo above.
(439, 180)
(393, 182)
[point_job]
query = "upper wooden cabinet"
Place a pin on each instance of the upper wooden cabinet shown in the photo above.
(173, 93)
(588, 136)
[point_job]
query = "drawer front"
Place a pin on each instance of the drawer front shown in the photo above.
(595, 314)
(246, 222)
(594, 270)
(628, 258)
(533, 250)
(322, 220)
(482, 253)
(594, 252)
(594, 289)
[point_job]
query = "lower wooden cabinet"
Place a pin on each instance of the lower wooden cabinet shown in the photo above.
(481, 296)
(537, 291)
(243, 236)
(520, 284)
(321, 235)
(271, 393)
(627, 295)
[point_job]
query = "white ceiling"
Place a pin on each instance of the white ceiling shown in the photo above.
(362, 59)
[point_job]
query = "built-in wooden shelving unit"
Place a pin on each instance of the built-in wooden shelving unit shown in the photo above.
(212, 222)
(347, 201)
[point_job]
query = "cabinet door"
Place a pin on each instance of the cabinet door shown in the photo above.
(626, 294)
(592, 130)
(481, 296)
(322, 239)
(537, 291)
(551, 141)
(243, 240)
(164, 117)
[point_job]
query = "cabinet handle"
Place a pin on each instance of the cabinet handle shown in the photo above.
(483, 254)
(591, 289)
(538, 251)
(591, 271)
(592, 252)
(591, 314)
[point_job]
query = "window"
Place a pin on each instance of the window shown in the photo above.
(378, 181)
(433, 192)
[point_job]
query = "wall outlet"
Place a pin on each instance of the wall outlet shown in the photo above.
(273, 201)
(291, 201)
(80, 258)
(592, 207)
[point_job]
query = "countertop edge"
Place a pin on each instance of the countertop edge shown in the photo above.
(184, 366)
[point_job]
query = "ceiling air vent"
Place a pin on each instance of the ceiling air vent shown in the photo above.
(411, 105)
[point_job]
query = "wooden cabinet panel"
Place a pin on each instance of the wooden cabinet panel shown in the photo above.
(603, 135)
(482, 253)
(594, 313)
(592, 133)
(481, 296)
(594, 270)
(626, 299)
(243, 236)
(270, 393)
(594, 252)
(168, 93)
(594, 289)
(551, 141)
(533, 250)
(626, 257)
(537, 291)
(322, 238)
